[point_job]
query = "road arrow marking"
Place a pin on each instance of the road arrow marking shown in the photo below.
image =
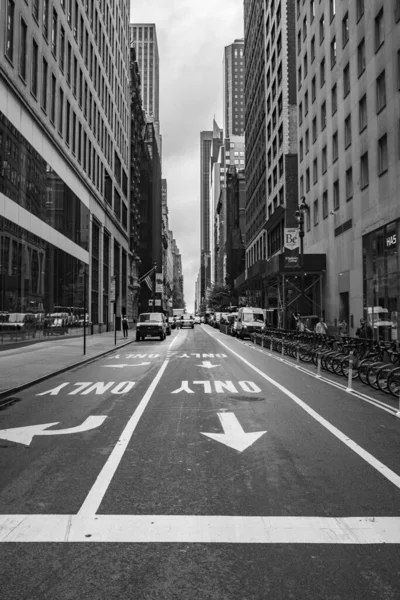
(24, 435)
(122, 366)
(207, 365)
(234, 435)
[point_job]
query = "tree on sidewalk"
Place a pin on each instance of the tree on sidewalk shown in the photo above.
(219, 296)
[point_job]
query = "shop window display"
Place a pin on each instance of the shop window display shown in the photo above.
(381, 272)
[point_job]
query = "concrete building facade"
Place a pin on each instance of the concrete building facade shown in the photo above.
(349, 115)
(233, 89)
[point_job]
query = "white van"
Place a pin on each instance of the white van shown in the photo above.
(249, 320)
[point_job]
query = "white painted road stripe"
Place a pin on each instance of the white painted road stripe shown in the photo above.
(371, 460)
(199, 529)
(96, 494)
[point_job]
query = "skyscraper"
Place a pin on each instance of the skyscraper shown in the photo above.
(234, 89)
(144, 37)
(64, 149)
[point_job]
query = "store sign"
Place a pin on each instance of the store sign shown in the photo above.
(159, 283)
(391, 241)
(291, 238)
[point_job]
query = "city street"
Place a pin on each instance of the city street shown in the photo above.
(197, 466)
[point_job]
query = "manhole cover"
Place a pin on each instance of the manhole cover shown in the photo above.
(247, 398)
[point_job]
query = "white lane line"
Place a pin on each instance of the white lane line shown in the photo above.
(371, 460)
(96, 494)
(199, 529)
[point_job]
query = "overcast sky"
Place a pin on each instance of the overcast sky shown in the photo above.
(191, 38)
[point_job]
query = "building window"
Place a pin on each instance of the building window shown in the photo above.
(22, 52)
(333, 52)
(314, 129)
(80, 142)
(312, 49)
(335, 149)
(306, 103)
(332, 8)
(336, 195)
(53, 99)
(315, 170)
(334, 99)
(73, 133)
(67, 122)
(62, 48)
(397, 10)
(307, 141)
(346, 80)
(315, 212)
(313, 88)
(305, 64)
(382, 155)
(322, 72)
(325, 204)
(364, 174)
(35, 9)
(69, 63)
(380, 92)
(10, 29)
(45, 19)
(345, 29)
(362, 113)
(359, 9)
(323, 116)
(34, 67)
(299, 77)
(324, 163)
(61, 112)
(54, 33)
(379, 30)
(44, 84)
(347, 131)
(361, 57)
(349, 183)
(321, 29)
(307, 180)
(301, 150)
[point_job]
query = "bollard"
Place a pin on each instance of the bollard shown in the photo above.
(318, 364)
(270, 343)
(254, 339)
(350, 378)
(398, 412)
(283, 349)
(298, 354)
(262, 341)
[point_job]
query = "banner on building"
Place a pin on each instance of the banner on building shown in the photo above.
(159, 283)
(291, 244)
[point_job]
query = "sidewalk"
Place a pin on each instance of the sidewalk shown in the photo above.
(21, 367)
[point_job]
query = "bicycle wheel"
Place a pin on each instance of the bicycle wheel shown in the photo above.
(382, 378)
(372, 373)
(394, 382)
(363, 368)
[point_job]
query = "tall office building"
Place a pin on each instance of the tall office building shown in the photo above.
(64, 149)
(349, 115)
(233, 89)
(210, 142)
(144, 37)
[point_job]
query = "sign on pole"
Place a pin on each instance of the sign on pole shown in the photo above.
(113, 288)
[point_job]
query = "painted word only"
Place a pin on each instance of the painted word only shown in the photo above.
(219, 387)
(83, 388)
(129, 356)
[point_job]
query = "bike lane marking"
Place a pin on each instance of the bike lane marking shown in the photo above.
(96, 494)
(369, 458)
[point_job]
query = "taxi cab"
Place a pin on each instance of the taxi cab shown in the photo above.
(151, 324)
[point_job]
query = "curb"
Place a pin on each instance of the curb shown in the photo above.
(4, 394)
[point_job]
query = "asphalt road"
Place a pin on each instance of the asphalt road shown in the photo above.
(197, 466)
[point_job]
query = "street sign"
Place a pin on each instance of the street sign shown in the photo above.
(113, 286)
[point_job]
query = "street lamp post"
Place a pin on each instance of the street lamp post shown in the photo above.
(302, 209)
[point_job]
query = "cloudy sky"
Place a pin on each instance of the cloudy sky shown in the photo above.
(191, 37)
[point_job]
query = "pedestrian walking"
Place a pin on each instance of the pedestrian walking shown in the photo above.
(125, 326)
(342, 329)
(321, 328)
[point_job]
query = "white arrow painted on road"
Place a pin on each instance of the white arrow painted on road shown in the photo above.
(122, 366)
(234, 435)
(207, 365)
(24, 435)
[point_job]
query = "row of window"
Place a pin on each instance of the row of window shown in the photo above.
(382, 167)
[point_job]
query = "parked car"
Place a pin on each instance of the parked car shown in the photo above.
(217, 320)
(250, 320)
(151, 324)
(197, 320)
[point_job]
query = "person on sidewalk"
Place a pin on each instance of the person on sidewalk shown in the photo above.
(342, 329)
(125, 326)
(321, 328)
